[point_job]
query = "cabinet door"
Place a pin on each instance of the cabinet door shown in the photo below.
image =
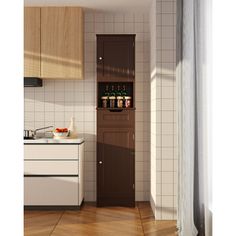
(115, 167)
(115, 57)
(32, 42)
(62, 42)
(52, 191)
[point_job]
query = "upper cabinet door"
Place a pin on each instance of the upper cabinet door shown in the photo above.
(115, 57)
(32, 42)
(61, 43)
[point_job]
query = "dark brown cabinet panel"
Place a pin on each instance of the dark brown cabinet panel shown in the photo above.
(115, 57)
(115, 118)
(115, 126)
(115, 167)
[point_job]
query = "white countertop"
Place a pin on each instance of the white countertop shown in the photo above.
(55, 140)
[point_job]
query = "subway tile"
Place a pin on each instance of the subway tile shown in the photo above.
(167, 153)
(59, 116)
(119, 17)
(167, 128)
(29, 106)
(99, 17)
(167, 19)
(167, 140)
(49, 116)
(109, 18)
(39, 106)
(168, 177)
(118, 27)
(129, 17)
(129, 27)
(139, 17)
(167, 7)
(88, 17)
(109, 27)
(167, 116)
(98, 27)
(139, 27)
(39, 116)
(167, 189)
(167, 165)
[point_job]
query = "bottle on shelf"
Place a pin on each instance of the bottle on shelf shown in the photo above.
(123, 94)
(112, 97)
(119, 97)
(105, 97)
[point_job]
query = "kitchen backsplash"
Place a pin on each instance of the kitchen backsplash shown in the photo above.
(58, 100)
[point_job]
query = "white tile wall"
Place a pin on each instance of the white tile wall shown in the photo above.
(58, 100)
(163, 114)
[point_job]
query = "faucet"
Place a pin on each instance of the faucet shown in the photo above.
(35, 131)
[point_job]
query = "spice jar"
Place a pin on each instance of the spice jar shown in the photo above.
(119, 102)
(104, 101)
(112, 101)
(127, 101)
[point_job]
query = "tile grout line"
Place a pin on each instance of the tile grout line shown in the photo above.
(57, 223)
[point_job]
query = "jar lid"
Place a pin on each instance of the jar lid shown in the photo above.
(104, 97)
(112, 97)
(128, 97)
(119, 97)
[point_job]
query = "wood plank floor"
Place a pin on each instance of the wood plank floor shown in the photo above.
(90, 220)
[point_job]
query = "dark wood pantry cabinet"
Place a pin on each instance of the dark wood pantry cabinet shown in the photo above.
(115, 120)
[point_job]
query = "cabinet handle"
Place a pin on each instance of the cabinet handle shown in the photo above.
(115, 110)
(100, 162)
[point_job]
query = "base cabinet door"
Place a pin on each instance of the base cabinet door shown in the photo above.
(52, 191)
(115, 167)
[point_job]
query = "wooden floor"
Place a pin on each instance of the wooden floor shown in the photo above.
(90, 220)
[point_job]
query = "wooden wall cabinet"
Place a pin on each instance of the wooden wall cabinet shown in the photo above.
(32, 42)
(54, 42)
(62, 42)
(115, 58)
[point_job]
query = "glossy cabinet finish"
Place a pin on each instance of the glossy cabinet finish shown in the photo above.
(62, 42)
(32, 42)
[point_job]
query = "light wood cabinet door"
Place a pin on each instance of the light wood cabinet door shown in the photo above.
(61, 43)
(32, 41)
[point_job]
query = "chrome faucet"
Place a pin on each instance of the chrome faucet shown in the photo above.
(35, 131)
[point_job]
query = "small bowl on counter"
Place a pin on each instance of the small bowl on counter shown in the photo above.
(61, 133)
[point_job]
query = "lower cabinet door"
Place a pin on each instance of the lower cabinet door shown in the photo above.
(51, 191)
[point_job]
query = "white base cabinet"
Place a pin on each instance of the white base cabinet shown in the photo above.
(52, 181)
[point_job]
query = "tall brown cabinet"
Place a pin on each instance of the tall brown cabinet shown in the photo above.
(116, 123)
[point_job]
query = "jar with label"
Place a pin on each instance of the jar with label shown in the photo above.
(112, 100)
(119, 102)
(104, 101)
(127, 101)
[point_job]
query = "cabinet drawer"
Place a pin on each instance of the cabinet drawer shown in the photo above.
(51, 151)
(51, 167)
(51, 191)
(123, 118)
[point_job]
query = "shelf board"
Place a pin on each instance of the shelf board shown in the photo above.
(101, 108)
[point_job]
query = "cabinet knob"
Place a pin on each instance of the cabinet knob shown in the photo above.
(100, 58)
(100, 162)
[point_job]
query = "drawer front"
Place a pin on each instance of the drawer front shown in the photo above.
(123, 118)
(51, 151)
(51, 167)
(51, 191)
